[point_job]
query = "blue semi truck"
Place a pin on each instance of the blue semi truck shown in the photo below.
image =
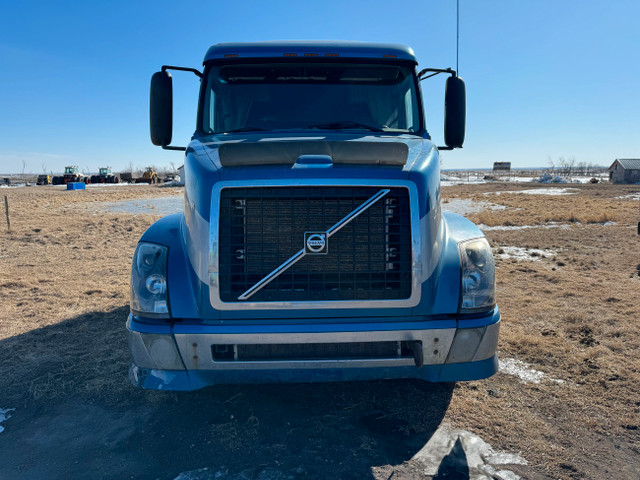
(312, 246)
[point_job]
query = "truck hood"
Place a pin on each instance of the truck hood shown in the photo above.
(405, 151)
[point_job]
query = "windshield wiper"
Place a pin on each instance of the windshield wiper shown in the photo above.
(345, 125)
(246, 129)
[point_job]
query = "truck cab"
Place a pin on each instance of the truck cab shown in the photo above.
(312, 246)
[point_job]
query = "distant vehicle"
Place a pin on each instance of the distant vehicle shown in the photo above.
(149, 176)
(43, 180)
(6, 181)
(126, 177)
(105, 176)
(71, 174)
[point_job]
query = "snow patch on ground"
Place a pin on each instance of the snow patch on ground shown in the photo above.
(511, 228)
(106, 185)
(463, 179)
(521, 253)
(447, 452)
(173, 183)
(222, 473)
(202, 474)
(508, 228)
(5, 414)
(525, 372)
(631, 196)
(153, 206)
(451, 183)
(467, 452)
(450, 178)
(541, 191)
(549, 178)
(465, 206)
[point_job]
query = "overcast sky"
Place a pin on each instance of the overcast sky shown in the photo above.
(545, 78)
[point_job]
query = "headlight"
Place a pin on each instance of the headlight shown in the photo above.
(149, 281)
(478, 274)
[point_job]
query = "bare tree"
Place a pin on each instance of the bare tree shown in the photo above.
(44, 168)
(566, 166)
(24, 165)
(551, 163)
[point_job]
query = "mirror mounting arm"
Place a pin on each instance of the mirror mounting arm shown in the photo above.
(198, 73)
(171, 147)
(435, 71)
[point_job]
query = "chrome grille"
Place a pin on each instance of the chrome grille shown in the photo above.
(261, 227)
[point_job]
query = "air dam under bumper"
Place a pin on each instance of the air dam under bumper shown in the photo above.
(183, 357)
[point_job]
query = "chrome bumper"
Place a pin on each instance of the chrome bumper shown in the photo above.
(193, 351)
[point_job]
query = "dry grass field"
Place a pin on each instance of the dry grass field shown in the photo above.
(571, 312)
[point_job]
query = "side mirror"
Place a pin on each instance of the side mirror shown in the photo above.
(455, 112)
(161, 108)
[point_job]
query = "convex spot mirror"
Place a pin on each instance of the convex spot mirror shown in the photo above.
(455, 112)
(161, 108)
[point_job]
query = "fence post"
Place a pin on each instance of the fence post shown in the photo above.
(6, 209)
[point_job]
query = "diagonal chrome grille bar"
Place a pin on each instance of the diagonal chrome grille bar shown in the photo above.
(301, 254)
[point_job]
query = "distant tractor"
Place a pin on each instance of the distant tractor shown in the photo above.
(105, 176)
(71, 174)
(149, 176)
(43, 180)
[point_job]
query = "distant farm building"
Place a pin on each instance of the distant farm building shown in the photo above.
(501, 166)
(625, 170)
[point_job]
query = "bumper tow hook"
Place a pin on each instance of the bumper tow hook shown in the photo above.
(416, 350)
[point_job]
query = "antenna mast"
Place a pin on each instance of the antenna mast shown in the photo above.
(457, 34)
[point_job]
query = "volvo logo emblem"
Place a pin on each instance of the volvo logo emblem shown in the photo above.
(315, 243)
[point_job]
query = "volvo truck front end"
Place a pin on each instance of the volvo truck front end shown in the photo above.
(312, 246)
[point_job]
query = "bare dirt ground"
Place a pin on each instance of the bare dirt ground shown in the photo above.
(570, 311)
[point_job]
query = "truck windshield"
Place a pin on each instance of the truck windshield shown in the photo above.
(310, 96)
